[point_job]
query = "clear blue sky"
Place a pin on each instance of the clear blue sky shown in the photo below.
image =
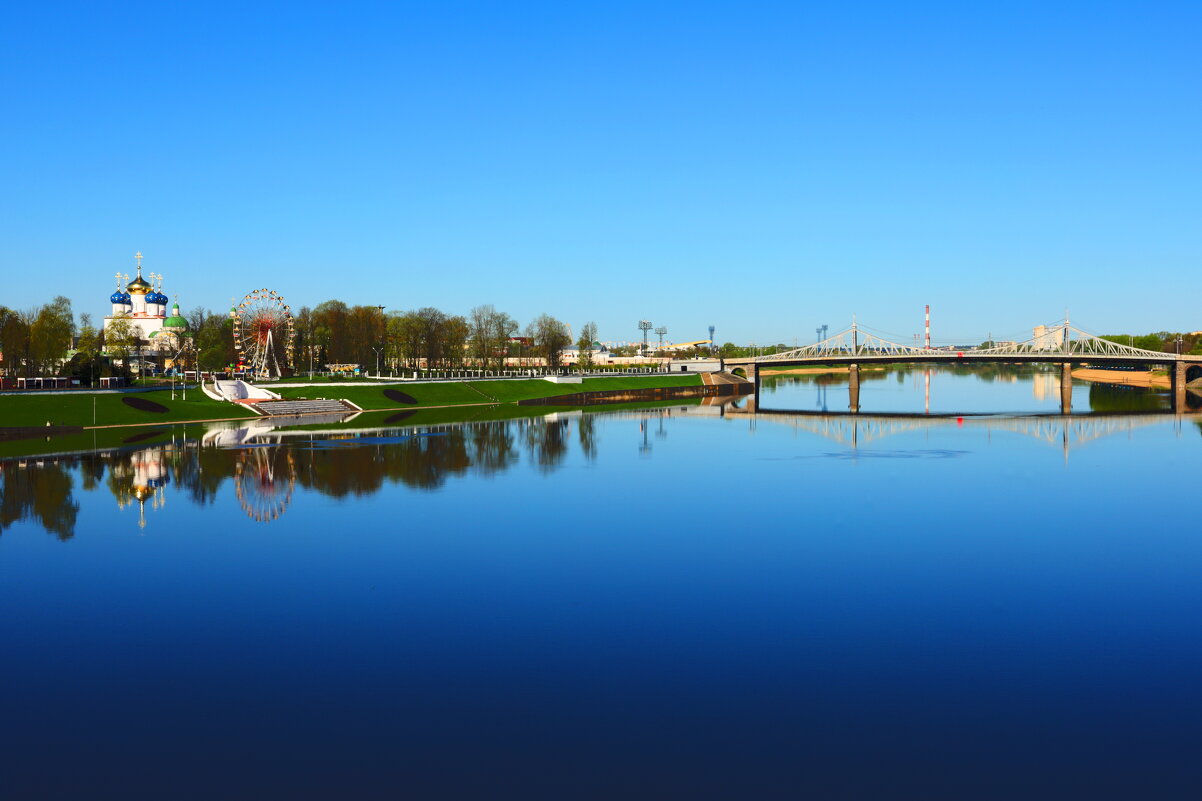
(762, 167)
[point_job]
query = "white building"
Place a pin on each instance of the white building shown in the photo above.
(144, 307)
(1045, 339)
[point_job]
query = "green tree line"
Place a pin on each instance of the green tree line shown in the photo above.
(49, 341)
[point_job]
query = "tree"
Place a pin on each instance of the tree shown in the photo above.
(175, 344)
(550, 338)
(405, 338)
(14, 342)
(365, 327)
(305, 342)
(120, 340)
(86, 364)
(453, 340)
(588, 336)
(89, 339)
(50, 335)
(212, 339)
(330, 328)
(489, 332)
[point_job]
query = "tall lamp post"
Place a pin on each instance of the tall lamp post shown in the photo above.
(383, 331)
(183, 351)
(645, 326)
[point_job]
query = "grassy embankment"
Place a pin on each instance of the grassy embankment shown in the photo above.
(104, 438)
(458, 393)
(481, 414)
(76, 409)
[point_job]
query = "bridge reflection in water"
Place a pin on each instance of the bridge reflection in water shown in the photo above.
(853, 429)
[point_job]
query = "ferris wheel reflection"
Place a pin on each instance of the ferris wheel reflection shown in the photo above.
(264, 479)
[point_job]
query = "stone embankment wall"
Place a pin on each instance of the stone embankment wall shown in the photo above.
(634, 395)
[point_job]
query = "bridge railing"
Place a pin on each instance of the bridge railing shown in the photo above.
(1059, 340)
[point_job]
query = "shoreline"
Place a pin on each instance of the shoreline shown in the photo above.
(1129, 378)
(73, 410)
(835, 370)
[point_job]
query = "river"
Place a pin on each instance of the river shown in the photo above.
(956, 594)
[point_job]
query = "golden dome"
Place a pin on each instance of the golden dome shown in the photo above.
(138, 286)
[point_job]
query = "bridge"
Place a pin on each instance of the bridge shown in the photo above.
(1062, 344)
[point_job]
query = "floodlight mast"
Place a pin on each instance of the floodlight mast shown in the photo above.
(663, 329)
(645, 326)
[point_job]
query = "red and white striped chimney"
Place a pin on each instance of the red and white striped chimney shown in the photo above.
(928, 327)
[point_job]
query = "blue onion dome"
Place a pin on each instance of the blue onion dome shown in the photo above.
(157, 297)
(117, 297)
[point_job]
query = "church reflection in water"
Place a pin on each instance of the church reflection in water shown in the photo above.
(262, 466)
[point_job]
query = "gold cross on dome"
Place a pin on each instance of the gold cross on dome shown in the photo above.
(138, 256)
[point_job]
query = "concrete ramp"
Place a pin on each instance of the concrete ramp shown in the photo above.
(297, 406)
(239, 391)
(720, 378)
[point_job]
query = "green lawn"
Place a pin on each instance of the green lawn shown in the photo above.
(75, 409)
(477, 414)
(463, 392)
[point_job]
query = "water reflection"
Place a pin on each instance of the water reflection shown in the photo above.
(266, 464)
(979, 389)
(40, 492)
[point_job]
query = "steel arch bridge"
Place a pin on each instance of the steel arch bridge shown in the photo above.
(1061, 343)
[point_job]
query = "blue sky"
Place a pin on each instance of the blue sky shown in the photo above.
(764, 168)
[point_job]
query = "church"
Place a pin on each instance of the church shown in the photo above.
(144, 306)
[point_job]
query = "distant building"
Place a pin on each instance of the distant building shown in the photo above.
(1045, 339)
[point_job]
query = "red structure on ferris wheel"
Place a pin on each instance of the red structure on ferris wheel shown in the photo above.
(263, 333)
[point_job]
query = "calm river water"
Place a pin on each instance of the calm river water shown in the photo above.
(686, 601)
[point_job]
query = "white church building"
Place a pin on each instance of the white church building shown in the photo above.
(144, 306)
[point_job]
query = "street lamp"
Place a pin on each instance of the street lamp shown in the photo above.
(377, 350)
(645, 326)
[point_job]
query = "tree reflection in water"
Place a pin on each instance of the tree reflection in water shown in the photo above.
(265, 469)
(38, 491)
(546, 441)
(264, 474)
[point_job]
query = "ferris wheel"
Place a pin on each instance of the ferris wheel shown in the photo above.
(263, 332)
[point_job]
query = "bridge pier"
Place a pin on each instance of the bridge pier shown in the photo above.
(1179, 370)
(1066, 388)
(853, 388)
